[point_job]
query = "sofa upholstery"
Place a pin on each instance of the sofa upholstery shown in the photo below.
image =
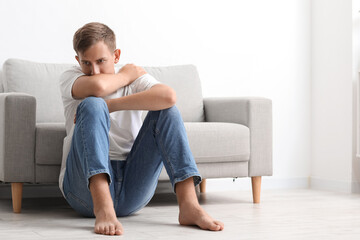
(1, 84)
(229, 137)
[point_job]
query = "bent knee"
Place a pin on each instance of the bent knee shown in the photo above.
(93, 101)
(93, 105)
(93, 108)
(172, 112)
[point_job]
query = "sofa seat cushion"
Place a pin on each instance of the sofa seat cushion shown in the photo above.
(49, 142)
(218, 142)
(209, 142)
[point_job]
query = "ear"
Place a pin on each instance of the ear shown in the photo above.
(77, 59)
(117, 53)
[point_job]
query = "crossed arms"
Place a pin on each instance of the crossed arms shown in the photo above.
(158, 97)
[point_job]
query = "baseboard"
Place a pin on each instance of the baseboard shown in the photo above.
(244, 184)
(333, 185)
(355, 187)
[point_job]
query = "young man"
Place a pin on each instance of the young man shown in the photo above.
(111, 160)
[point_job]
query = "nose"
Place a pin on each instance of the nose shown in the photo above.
(95, 69)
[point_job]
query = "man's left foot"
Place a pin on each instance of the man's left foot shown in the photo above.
(194, 214)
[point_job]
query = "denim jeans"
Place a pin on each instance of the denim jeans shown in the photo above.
(162, 141)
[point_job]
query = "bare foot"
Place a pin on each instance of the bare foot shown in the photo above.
(194, 214)
(107, 223)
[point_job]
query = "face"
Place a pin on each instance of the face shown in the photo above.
(98, 59)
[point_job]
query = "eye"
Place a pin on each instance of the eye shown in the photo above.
(86, 63)
(101, 60)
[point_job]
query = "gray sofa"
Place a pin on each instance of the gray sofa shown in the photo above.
(229, 137)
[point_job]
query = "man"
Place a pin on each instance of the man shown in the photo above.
(111, 160)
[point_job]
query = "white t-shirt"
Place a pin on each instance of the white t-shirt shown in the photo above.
(125, 125)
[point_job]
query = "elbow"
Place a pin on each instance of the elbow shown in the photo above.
(99, 90)
(171, 97)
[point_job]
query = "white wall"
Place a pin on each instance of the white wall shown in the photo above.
(356, 96)
(334, 78)
(241, 48)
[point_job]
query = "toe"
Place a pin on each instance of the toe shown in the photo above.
(112, 230)
(221, 224)
(100, 230)
(213, 226)
(107, 230)
(118, 232)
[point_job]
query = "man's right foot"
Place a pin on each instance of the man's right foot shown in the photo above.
(107, 223)
(194, 214)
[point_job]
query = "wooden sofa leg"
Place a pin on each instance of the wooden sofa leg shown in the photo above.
(203, 186)
(256, 188)
(16, 191)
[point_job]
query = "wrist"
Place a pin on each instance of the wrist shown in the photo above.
(109, 105)
(124, 78)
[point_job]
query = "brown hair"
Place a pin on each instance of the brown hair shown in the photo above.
(92, 33)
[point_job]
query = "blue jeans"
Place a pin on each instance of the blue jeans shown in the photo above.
(162, 140)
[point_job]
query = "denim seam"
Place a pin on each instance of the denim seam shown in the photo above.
(71, 195)
(165, 155)
(83, 142)
(117, 190)
(139, 208)
(142, 206)
(142, 137)
(93, 173)
(186, 176)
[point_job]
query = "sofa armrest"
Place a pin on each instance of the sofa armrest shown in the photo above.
(17, 137)
(256, 114)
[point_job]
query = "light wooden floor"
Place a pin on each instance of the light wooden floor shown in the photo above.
(283, 214)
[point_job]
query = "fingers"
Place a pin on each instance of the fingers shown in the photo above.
(133, 70)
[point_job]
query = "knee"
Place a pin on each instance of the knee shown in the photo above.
(172, 112)
(93, 107)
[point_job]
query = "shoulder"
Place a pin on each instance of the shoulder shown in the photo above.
(67, 79)
(143, 83)
(71, 74)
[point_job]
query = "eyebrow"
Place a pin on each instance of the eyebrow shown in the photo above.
(102, 58)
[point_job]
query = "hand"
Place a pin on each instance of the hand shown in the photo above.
(132, 72)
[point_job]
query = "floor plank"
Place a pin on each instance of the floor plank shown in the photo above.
(282, 214)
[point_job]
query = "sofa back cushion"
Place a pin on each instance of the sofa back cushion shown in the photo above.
(40, 80)
(184, 79)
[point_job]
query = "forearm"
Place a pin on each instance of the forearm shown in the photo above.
(99, 85)
(156, 98)
(109, 83)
